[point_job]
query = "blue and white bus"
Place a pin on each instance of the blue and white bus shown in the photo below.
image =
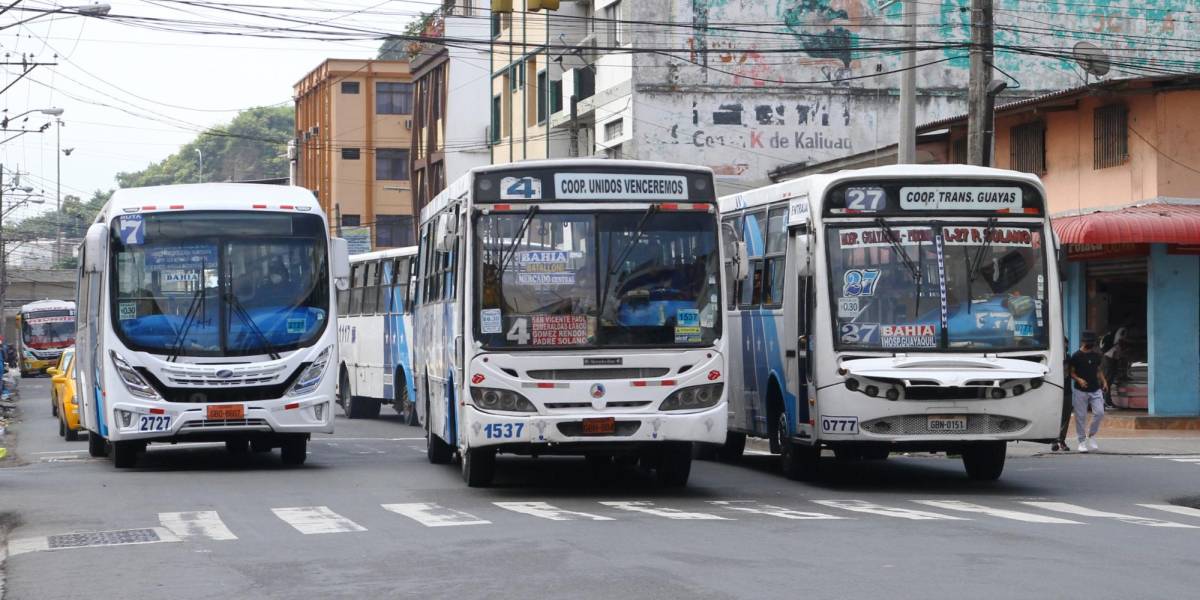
(571, 307)
(903, 308)
(206, 313)
(374, 325)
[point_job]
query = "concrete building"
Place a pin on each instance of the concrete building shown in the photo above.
(747, 87)
(449, 126)
(1122, 172)
(353, 137)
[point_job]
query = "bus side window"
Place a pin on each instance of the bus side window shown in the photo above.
(754, 232)
(356, 292)
(370, 291)
(383, 302)
(401, 281)
(772, 294)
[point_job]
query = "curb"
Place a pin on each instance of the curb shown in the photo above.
(7, 521)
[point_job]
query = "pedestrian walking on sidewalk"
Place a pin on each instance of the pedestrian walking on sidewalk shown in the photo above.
(1089, 391)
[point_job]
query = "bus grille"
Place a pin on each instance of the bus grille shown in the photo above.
(587, 374)
(226, 423)
(203, 395)
(919, 425)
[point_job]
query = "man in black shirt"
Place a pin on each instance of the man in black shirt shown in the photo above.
(1090, 384)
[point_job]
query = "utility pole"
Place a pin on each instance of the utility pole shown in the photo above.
(979, 109)
(58, 192)
(906, 152)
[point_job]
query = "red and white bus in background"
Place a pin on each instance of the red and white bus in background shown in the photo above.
(44, 329)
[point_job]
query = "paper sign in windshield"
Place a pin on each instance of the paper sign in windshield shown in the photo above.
(489, 321)
(688, 317)
(559, 330)
(178, 258)
(908, 336)
(874, 237)
(44, 320)
(960, 198)
(999, 236)
(127, 310)
(545, 267)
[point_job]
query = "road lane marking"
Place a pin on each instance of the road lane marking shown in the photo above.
(202, 524)
(1014, 515)
(670, 513)
(759, 508)
(434, 515)
(1083, 511)
(316, 519)
(887, 511)
(547, 511)
(1171, 508)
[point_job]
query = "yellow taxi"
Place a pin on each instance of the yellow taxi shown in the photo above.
(62, 395)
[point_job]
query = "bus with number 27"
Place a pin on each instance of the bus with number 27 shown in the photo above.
(902, 308)
(571, 307)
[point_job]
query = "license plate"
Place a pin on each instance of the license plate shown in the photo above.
(225, 412)
(602, 426)
(154, 423)
(943, 423)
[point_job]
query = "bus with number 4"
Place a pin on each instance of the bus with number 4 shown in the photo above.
(374, 326)
(901, 308)
(207, 313)
(571, 307)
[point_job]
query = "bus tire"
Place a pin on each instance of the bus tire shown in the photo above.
(674, 464)
(97, 446)
(985, 461)
(799, 462)
(294, 449)
(734, 446)
(437, 451)
(478, 466)
(125, 454)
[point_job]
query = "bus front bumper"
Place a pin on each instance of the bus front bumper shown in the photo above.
(546, 431)
(181, 421)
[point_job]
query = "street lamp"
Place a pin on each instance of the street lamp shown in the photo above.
(53, 112)
(200, 175)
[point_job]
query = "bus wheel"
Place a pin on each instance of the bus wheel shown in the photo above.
(799, 462)
(125, 454)
(734, 446)
(438, 452)
(985, 461)
(674, 464)
(294, 449)
(478, 466)
(97, 446)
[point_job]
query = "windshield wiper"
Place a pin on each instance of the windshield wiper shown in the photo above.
(610, 266)
(507, 256)
(974, 266)
(237, 307)
(914, 269)
(195, 308)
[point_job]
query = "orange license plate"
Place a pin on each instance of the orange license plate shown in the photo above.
(225, 412)
(607, 425)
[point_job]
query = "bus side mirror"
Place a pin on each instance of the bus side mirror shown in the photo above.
(741, 261)
(339, 258)
(95, 248)
(803, 256)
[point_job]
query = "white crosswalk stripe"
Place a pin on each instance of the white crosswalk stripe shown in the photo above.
(544, 510)
(1183, 458)
(316, 519)
(1083, 511)
(758, 508)
(863, 506)
(1171, 508)
(434, 515)
(1002, 513)
(203, 524)
(650, 509)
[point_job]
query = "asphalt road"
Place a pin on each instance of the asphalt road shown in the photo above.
(368, 517)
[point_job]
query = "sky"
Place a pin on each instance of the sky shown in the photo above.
(132, 96)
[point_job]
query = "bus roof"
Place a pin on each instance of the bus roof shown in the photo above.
(389, 253)
(460, 186)
(210, 196)
(814, 184)
(47, 305)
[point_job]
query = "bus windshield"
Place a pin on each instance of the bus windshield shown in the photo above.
(219, 283)
(606, 279)
(45, 329)
(888, 289)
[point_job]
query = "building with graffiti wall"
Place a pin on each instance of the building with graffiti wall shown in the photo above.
(745, 86)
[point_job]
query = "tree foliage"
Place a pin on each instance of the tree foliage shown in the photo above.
(252, 146)
(75, 216)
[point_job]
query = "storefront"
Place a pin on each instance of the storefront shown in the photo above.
(1133, 277)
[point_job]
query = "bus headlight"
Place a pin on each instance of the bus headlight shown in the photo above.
(134, 382)
(311, 376)
(498, 399)
(694, 397)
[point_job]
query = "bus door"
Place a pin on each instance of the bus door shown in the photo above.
(805, 308)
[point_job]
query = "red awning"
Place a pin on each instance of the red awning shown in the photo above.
(1147, 224)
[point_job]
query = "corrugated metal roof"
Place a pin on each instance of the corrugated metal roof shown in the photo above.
(1146, 224)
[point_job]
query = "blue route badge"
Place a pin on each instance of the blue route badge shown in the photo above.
(132, 229)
